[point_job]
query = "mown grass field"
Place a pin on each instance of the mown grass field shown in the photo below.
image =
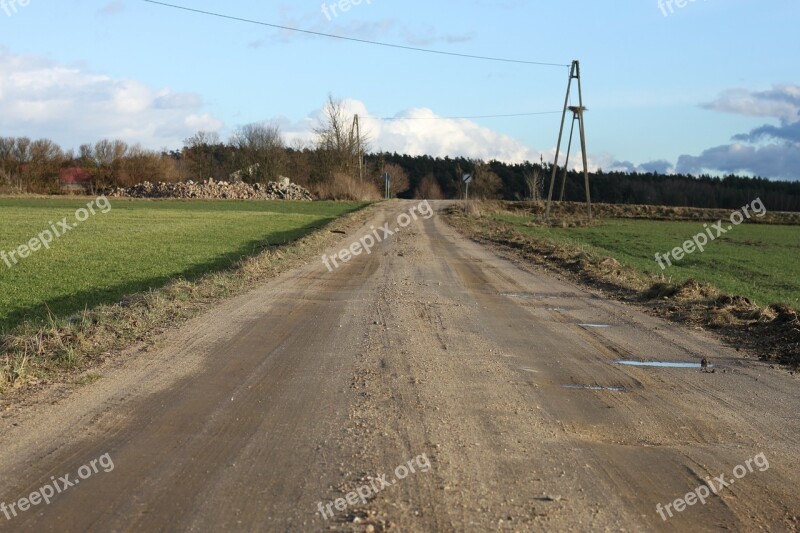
(760, 262)
(136, 246)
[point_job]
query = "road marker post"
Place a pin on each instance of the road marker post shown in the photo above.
(467, 180)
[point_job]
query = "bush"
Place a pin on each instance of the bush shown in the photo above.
(343, 186)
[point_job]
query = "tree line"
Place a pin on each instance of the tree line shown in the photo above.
(255, 153)
(531, 181)
(337, 165)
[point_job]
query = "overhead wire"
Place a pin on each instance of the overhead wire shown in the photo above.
(474, 117)
(353, 39)
(386, 45)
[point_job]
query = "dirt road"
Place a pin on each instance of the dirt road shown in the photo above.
(493, 383)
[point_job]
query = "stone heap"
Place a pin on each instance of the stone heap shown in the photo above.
(215, 190)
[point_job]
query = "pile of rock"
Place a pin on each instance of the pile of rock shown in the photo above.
(215, 190)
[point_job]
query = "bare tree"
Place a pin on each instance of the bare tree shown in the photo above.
(429, 189)
(8, 166)
(7, 149)
(141, 165)
(339, 144)
(86, 154)
(107, 157)
(399, 179)
(22, 150)
(300, 162)
(298, 145)
(535, 183)
(202, 138)
(46, 158)
(260, 151)
(199, 151)
(485, 184)
(30, 165)
(107, 153)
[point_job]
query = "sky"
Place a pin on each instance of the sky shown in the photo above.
(699, 86)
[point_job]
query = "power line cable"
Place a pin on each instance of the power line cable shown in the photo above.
(388, 119)
(354, 39)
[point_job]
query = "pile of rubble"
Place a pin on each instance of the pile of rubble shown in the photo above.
(215, 190)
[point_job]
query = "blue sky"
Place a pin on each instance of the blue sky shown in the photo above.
(710, 86)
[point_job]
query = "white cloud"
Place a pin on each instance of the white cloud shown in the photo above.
(769, 151)
(420, 131)
(782, 102)
(71, 105)
(778, 160)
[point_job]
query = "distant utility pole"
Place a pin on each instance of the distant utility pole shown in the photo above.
(359, 149)
(578, 111)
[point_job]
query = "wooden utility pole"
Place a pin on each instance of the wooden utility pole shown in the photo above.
(359, 149)
(569, 150)
(574, 74)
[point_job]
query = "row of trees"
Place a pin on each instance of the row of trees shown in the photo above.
(532, 181)
(334, 166)
(35, 166)
(255, 153)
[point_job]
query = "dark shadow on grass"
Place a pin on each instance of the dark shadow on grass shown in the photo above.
(65, 306)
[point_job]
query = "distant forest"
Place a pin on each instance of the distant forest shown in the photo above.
(514, 182)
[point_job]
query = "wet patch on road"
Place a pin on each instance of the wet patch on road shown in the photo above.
(663, 364)
(530, 295)
(595, 387)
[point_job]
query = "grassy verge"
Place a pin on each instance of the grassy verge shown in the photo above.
(38, 351)
(715, 290)
(135, 246)
(757, 261)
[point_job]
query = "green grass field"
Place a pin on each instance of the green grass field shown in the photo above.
(136, 246)
(757, 261)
